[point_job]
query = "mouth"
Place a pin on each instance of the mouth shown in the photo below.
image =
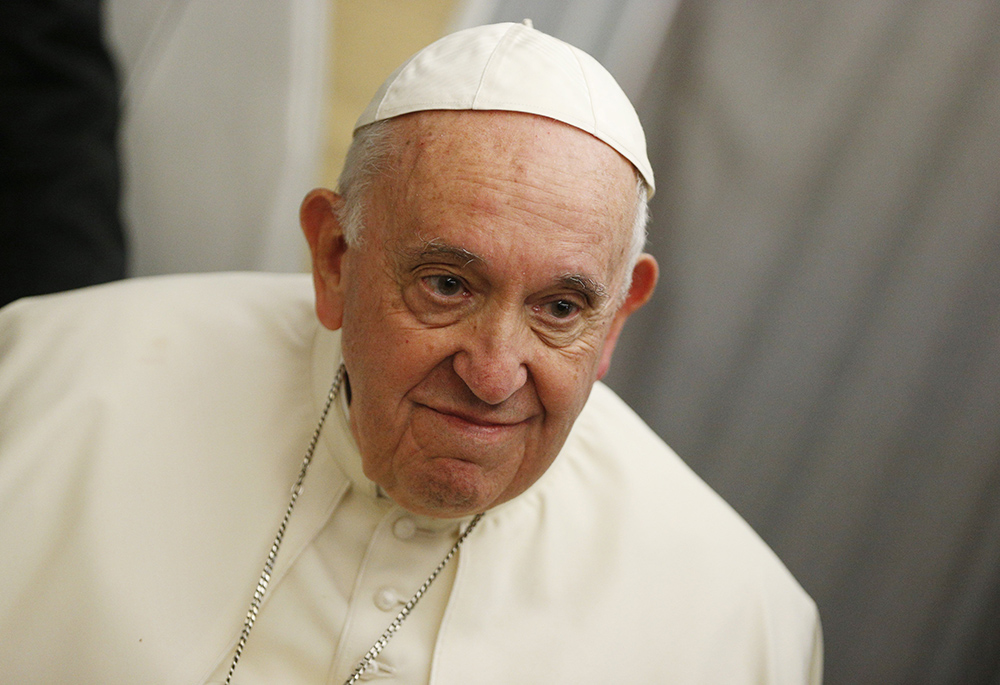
(472, 419)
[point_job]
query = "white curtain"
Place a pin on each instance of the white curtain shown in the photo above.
(222, 129)
(824, 347)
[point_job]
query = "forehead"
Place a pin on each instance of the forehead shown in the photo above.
(497, 178)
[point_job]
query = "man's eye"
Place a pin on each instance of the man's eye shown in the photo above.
(562, 309)
(446, 286)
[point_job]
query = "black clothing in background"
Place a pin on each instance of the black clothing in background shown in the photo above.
(59, 169)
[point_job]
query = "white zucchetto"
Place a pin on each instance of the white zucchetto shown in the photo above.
(516, 68)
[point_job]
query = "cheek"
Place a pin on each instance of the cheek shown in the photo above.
(368, 331)
(387, 356)
(569, 376)
(562, 390)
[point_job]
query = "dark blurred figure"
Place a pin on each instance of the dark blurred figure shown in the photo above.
(59, 170)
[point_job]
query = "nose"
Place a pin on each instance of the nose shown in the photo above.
(492, 358)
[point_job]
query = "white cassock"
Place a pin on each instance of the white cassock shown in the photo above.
(150, 433)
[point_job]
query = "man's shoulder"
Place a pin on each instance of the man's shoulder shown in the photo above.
(613, 460)
(615, 441)
(106, 319)
(132, 343)
(142, 423)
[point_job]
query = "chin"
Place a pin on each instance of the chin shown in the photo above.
(454, 491)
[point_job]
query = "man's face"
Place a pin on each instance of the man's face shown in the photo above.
(481, 304)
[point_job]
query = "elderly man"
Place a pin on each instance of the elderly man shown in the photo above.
(471, 507)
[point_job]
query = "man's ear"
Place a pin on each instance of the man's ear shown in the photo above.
(644, 277)
(318, 216)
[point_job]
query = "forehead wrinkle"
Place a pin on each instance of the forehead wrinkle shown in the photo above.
(600, 226)
(441, 157)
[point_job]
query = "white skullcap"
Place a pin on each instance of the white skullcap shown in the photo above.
(515, 68)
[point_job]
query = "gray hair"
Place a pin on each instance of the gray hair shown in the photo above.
(367, 157)
(370, 155)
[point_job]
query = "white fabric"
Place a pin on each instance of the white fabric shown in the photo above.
(623, 35)
(222, 129)
(149, 434)
(513, 67)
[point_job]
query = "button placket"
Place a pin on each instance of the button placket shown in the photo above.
(402, 551)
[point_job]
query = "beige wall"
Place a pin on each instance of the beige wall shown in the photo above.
(370, 39)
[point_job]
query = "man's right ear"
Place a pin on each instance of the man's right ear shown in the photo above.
(321, 225)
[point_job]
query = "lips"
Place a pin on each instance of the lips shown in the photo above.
(457, 430)
(478, 419)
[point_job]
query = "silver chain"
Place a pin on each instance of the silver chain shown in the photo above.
(272, 555)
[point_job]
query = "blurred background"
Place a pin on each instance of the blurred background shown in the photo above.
(824, 346)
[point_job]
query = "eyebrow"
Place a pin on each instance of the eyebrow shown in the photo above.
(432, 248)
(593, 290)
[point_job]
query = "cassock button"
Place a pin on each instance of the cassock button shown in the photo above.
(378, 670)
(386, 598)
(404, 528)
